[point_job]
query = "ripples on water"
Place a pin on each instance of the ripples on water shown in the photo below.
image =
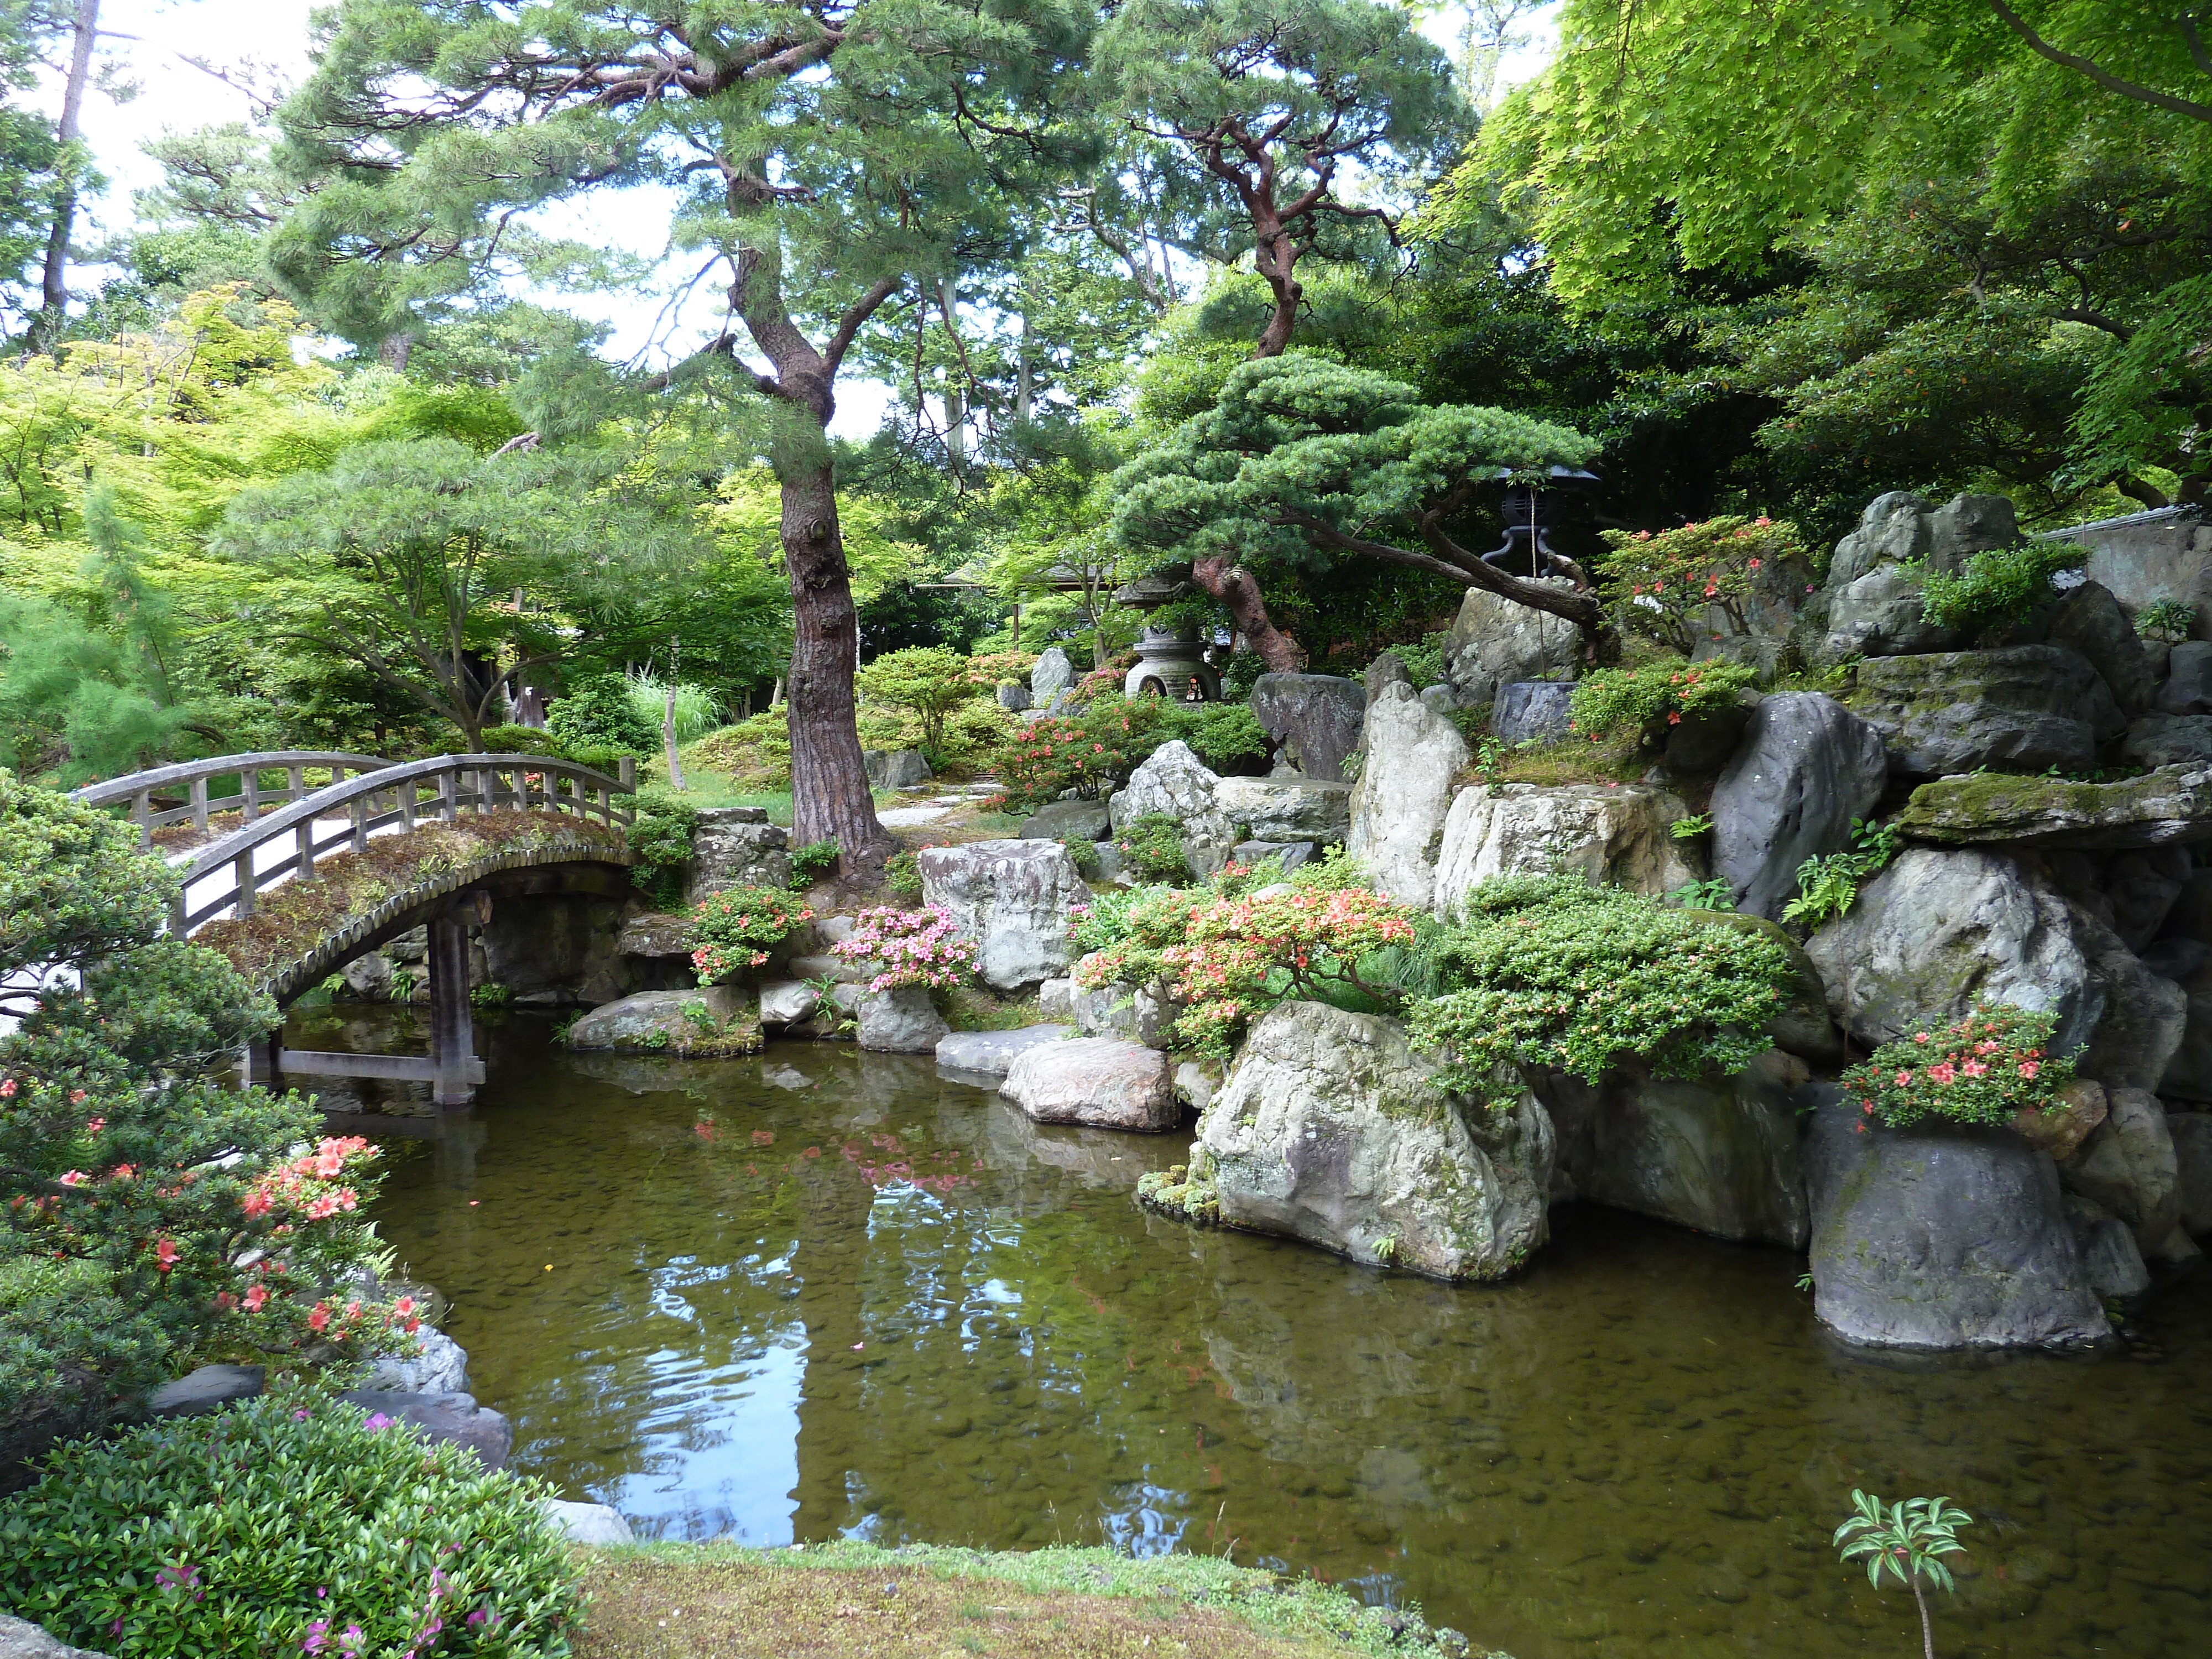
(819, 1292)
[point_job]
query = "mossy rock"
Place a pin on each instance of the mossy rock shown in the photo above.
(2174, 804)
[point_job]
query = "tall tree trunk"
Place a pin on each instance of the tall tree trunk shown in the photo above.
(53, 309)
(1234, 587)
(830, 797)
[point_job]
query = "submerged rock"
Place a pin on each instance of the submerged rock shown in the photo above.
(1011, 898)
(1939, 1236)
(902, 1021)
(992, 1054)
(1102, 1083)
(1606, 834)
(714, 1019)
(2174, 804)
(1331, 1130)
(1806, 768)
(1719, 1154)
(2026, 706)
(1404, 791)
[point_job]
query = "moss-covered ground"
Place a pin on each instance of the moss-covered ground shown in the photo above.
(858, 1601)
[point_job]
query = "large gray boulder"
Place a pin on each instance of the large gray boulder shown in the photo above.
(1399, 808)
(711, 1019)
(2028, 706)
(1533, 711)
(1313, 718)
(901, 1021)
(2157, 739)
(1332, 1131)
(440, 1367)
(2128, 1168)
(787, 1001)
(993, 1053)
(1936, 930)
(1615, 836)
(2187, 688)
(597, 1525)
(2089, 620)
(1495, 642)
(735, 846)
(1286, 807)
(452, 1417)
(1011, 898)
(1806, 767)
(2188, 1074)
(2174, 804)
(1102, 1083)
(21, 1640)
(205, 1391)
(1874, 581)
(2145, 1015)
(895, 768)
(1175, 782)
(1069, 820)
(1719, 1154)
(1939, 1236)
(1053, 674)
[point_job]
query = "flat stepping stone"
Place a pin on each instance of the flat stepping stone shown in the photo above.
(992, 1054)
(911, 817)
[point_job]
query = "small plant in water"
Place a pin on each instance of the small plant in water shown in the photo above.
(1907, 1540)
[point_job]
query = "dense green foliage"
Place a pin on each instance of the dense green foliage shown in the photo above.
(660, 838)
(291, 1523)
(1152, 843)
(1654, 696)
(1551, 974)
(1997, 588)
(136, 1177)
(600, 711)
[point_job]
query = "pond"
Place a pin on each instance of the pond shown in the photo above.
(818, 1292)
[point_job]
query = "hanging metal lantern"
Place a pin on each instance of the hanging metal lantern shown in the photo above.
(1530, 511)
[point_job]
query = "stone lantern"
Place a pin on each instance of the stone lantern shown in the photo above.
(1530, 513)
(1170, 660)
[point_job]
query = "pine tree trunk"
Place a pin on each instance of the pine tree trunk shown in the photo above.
(830, 799)
(53, 309)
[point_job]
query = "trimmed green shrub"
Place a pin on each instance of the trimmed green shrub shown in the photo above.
(1092, 751)
(661, 839)
(1227, 736)
(902, 874)
(600, 710)
(294, 1523)
(1152, 842)
(1104, 921)
(1654, 696)
(928, 680)
(1998, 588)
(1549, 973)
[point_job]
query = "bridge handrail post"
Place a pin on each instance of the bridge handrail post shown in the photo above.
(303, 836)
(241, 875)
(200, 804)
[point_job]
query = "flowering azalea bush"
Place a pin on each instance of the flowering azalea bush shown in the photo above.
(1230, 955)
(1653, 697)
(909, 947)
(1549, 973)
(1672, 579)
(291, 1524)
(151, 1211)
(1985, 1068)
(733, 930)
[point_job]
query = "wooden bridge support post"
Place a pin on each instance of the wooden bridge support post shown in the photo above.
(452, 1031)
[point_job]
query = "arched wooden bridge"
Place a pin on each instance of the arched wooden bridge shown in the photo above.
(285, 830)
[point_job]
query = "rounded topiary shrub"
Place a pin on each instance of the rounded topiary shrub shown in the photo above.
(292, 1523)
(600, 713)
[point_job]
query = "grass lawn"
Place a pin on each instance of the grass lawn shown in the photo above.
(857, 1601)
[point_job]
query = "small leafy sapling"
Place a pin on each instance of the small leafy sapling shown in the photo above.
(2166, 621)
(1907, 1539)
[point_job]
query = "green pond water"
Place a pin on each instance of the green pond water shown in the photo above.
(818, 1292)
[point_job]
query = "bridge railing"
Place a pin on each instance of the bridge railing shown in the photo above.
(249, 799)
(343, 817)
